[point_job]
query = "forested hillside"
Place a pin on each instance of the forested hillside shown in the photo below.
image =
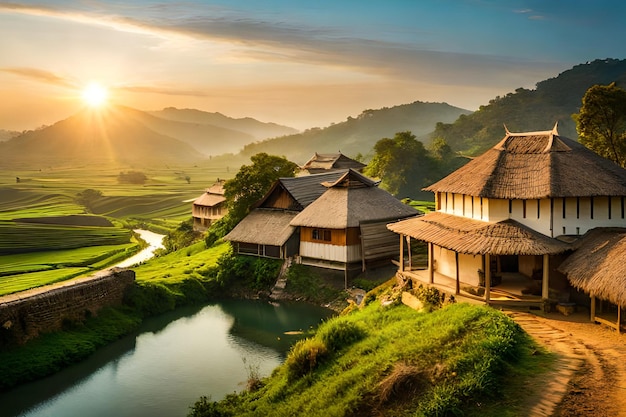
(358, 135)
(553, 100)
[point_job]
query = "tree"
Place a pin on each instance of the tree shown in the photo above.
(601, 122)
(132, 177)
(253, 181)
(402, 163)
(88, 197)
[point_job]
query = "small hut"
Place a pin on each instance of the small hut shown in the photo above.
(209, 207)
(598, 268)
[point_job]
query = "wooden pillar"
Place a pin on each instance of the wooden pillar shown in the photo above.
(487, 278)
(408, 247)
(593, 307)
(458, 282)
(401, 253)
(545, 285)
(619, 318)
(431, 266)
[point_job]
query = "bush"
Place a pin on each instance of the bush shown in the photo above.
(431, 297)
(132, 177)
(340, 333)
(305, 356)
(249, 271)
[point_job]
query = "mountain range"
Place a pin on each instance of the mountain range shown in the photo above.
(123, 135)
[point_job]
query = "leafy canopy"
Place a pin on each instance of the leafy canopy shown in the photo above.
(253, 181)
(601, 122)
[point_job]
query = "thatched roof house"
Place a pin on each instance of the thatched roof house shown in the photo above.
(598, 266)
(330, 162)
(347, 224)
(509, 212)
(265, 231)
(209, 207)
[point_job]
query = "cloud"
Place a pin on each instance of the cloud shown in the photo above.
(39, 75)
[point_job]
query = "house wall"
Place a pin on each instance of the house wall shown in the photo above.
(528, 264)
(338, 237)
(469, 265)
(329, 252)
(551, 217)
(280, 199)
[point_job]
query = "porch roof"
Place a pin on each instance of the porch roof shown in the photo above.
(598, 266)
(476, 237)
(264, 227)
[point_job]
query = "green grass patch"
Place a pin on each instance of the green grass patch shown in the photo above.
(14, 283)
(310, 284)
(393, 361)
(22, 237)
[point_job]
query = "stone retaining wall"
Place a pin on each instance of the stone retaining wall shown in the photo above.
(23, 317)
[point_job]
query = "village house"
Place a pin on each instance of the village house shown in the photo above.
(266, 230)
(209, 207)
(335, 220)
(330, 162)
(505, 222)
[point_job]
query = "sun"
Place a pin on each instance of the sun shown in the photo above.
(95, 95)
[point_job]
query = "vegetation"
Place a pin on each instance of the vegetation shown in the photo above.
(395, 361)
(357, 135)
(601, 123)
(405, 166)
(132, 177)
(553, 100)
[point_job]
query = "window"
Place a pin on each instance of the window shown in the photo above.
(321, 234)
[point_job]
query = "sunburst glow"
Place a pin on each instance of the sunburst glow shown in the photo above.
(95, 95)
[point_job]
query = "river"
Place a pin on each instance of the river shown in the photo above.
(170, 362)
(154, 241)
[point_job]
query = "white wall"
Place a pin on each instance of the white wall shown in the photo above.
(327, 252)
(469, 265)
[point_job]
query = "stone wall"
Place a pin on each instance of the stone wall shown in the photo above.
(23, 317)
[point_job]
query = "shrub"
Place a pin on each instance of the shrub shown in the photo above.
(431, 297)
(252, 272)
(132, 177)
(340, 333)
(304, 357)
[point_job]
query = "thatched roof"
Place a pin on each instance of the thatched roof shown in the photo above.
(536, 165)
(323, 162)
(212, 196)
(209, 200)
(263, 227)
(350, 200)
(476, 237)
(302, 190)
(598, 266)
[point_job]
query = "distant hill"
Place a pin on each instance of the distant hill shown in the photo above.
(358, 135)
(553, 100)
(253, 128)
(7, 134)
(117, 135)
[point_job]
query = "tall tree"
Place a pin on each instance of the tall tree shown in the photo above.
(402, 163)
(601, 122)
(253, 181)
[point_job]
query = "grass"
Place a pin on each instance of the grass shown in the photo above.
(394, 361)
(10, 284)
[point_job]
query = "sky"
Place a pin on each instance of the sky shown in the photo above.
(299, 63)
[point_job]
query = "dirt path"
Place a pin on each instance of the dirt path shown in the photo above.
(589, 378)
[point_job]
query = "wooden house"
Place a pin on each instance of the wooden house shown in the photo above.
(345, 228)
(505, 221)
(266, 230)
(209, 207)
(330, 162)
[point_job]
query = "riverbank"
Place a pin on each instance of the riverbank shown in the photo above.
(194, 275)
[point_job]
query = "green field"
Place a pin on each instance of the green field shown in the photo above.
(46, 236)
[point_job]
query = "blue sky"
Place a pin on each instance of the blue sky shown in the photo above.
(303, 64)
